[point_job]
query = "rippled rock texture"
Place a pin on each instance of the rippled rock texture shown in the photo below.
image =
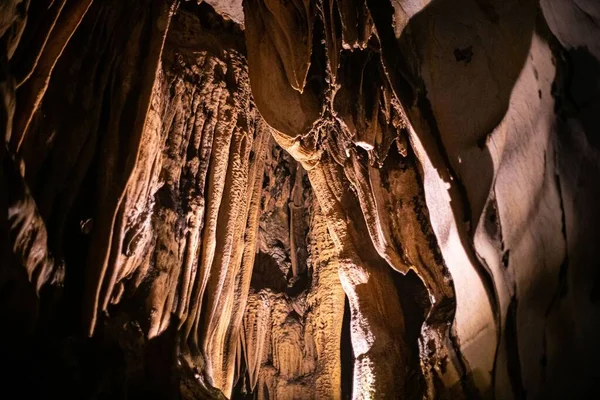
(300, 199)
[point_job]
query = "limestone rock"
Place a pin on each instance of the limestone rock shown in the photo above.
(300, 199)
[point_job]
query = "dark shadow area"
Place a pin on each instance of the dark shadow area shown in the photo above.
(572, 319)
(347, 354)
(267, 274)
(415, 305)
(580, 97)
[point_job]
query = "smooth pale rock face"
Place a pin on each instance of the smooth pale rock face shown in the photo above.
(229, 9)
(303, 199)
(563, 16)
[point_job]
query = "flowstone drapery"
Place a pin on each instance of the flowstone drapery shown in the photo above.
(299, 199)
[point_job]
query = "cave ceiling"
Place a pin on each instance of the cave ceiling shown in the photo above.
(300, 199)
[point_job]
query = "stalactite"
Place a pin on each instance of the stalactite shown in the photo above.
(32, 85)
(301, 199)
(28, 233)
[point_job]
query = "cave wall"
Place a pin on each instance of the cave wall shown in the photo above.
(525, 234)
(482, 85)
(304, 199)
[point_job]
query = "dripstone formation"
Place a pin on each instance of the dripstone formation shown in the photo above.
(300, 199)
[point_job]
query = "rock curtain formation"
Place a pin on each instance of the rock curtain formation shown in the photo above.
(299, 199)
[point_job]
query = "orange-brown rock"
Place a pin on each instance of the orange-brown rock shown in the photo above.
(300, 199)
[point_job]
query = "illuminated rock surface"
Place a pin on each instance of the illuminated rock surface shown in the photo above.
(300, 199)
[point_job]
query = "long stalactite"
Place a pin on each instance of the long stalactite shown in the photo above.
(299, 199)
